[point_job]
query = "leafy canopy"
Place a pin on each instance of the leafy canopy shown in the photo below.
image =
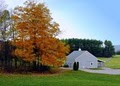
(36, 35)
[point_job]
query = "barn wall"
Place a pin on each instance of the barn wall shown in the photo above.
(70, 63)
(87, 60)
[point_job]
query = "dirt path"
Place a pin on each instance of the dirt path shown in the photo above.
(104, 71)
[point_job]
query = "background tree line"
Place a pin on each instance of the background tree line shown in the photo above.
(96, 47)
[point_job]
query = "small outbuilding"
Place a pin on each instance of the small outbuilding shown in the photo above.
(100, 63)
(85, 59)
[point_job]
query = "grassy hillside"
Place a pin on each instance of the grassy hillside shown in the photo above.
(69, 78)
(113, 62)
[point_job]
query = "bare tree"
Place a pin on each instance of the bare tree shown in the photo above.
(2, 5)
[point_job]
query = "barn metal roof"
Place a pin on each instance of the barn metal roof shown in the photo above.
(72, 56)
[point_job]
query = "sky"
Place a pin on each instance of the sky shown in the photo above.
(89, 19)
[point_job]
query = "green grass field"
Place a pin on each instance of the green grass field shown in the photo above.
(69, 78)
(103, 58)
(114, 62)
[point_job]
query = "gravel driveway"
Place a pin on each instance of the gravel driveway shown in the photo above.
(103, 71)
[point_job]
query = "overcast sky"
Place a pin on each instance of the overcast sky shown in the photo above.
(93, 19)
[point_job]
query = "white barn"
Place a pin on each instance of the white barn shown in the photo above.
(85, 59)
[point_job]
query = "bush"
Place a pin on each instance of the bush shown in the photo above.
(75, 66)
(66, 66)
(44, 68)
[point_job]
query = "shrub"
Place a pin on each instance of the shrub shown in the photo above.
(66, 66)
(75, 66)
(44, 68)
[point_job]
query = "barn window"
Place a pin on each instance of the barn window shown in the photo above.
(91, 63)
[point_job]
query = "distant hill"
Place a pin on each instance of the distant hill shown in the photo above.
(117, 48)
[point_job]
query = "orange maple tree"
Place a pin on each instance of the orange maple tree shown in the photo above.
(36, 35)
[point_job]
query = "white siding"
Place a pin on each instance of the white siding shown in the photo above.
(87, 60)
(72, 56)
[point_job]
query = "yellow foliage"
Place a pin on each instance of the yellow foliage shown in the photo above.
(36, 32)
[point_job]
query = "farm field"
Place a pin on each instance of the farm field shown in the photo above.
(68, 78)
(114, 62)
